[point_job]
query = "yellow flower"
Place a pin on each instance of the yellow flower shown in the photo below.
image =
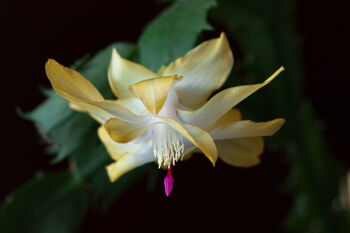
(162, 117)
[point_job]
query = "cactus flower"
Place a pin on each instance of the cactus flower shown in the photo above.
(161, 117)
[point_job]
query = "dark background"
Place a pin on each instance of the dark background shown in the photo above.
(249, 200)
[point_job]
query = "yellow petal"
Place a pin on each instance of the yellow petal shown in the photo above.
(84, 96)
(222, 102)
(123, 131)
(127, 163)
(115, 149)
(188, 156)
(231, 116)
(153, 92)
(123, 73)
(241, 152)
(133, 105)
(71, 82)
(118, 111)
(247, 128)
(76, 107)
(81, 106)
(104, 110)
(204, 69)
(95, 112)
(199, 137)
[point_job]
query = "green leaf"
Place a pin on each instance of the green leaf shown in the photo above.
(90, 158)
(173, 32)
(52, 202)
(50, 113)
(71, 135)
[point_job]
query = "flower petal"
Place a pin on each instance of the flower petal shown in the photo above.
(199, 137)
(188, 156)
(120, 112)
(133, 104)
(129, 162)
(222, 102)
(80, 105)
(123, 73)
(247, 128)
(98, 114)
(188, 152)
(153, 92)
(205, 68)
(104, 110)
(75, 107)
(115, 149)
(71, 82)
(231, 116)
(123, 131)
(241, 152)
(84, 96)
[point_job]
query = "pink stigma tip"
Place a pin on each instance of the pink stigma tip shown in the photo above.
(168, 183)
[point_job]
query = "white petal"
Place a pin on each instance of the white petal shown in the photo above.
(135, 105)
(199, 137)
(241, 129)
(222, 102)
(123, 73)
(118, 150)
(204, 69)
(129, 162)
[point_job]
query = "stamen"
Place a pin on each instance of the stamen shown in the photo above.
(167, 144)
(168, 182)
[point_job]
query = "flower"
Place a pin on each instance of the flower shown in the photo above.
(163, 117)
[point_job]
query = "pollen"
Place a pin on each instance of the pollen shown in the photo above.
(167, 145)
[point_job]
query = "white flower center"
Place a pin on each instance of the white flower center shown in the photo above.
(167, 143)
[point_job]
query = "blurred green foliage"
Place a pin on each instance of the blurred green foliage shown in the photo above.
(43, 202)
(266, 34)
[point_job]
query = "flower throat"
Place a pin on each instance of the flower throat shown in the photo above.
(167, 144)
